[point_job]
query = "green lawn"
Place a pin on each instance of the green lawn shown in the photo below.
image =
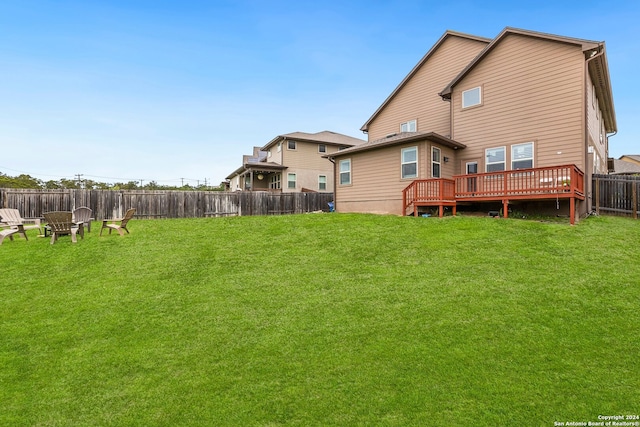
(323, 320)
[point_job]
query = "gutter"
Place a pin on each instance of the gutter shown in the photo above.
(588, 173)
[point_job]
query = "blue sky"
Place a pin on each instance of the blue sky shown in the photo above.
(180, 90)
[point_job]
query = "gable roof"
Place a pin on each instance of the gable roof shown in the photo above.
(261, 166)
(623, 167)
(595, 56)
(632, 157)
(399, 138)
(419, 65)
(324, 137)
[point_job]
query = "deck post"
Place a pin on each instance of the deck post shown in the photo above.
(505, 208)
(404, 203)
(440, 211)
(572, 210)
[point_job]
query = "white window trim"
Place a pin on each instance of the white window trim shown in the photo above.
(409, 124)
(340, 172)
(279, 146)
(323, 146)
(295, 181)
(275, 181)
(320, 182)
(519, 160)
(295, 145)
(402, 162)
(433, 162)
(479, 89)
(486, 155)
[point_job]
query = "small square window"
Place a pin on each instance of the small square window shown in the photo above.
(409, 126)
(471, 97)
(291, 145)
(322, 148)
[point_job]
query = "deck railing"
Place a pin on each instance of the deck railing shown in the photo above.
(566, 181)
(428, 190)
(521, 183)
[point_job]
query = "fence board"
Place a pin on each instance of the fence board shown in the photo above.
(162, 204)
(617, 194)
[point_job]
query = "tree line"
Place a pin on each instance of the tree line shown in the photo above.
(27, 181)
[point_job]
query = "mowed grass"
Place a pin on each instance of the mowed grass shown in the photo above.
(323, 319)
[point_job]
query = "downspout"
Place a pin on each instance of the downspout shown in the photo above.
(588, 173)
(335, 182)
(607, 136)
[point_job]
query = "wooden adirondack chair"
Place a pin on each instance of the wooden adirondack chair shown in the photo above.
(83, 215)
(12, 218)
(61, 223)
(111, 224)
(9, 232)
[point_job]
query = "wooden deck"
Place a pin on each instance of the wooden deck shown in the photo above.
(549, 183)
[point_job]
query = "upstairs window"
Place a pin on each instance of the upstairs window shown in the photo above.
(409, 162)
(522, 156)
(409, 126)
(345, 172)
(495, 159)
(279, 146)
(322, 148)
(471, 97)
(291, 145)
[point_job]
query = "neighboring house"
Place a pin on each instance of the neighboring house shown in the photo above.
(626, 165)
(473, 111)
(292, 162)
(631, 158)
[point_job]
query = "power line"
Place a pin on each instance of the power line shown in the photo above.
(111, 178)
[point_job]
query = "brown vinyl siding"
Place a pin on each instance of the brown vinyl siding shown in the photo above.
(532, 91)
(594, 124)
(376, 183)
(418, 99)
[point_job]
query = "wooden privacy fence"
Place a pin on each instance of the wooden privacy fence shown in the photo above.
(162, 204)
(617, 194)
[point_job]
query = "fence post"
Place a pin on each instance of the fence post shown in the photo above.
(635, 200)
(598, 195)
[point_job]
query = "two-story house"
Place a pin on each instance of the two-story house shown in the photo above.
(522, 119)
(292, 162)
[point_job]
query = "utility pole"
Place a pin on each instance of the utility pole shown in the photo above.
(181, 182)
(140, 183)
(79, 179)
